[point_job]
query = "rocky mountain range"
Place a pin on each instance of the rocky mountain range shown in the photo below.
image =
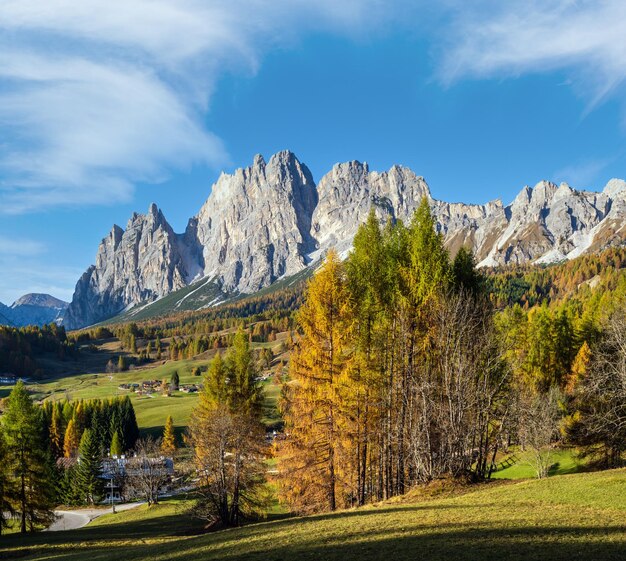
(271, 220)
(33, 309)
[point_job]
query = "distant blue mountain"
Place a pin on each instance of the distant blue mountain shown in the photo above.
(33, 309)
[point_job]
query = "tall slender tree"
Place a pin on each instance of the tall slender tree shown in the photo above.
(312, 479)
(116, 445)
(168, 443)
(8, 493)
(71, 439)
(363, 389)
(228, 438)
(89, 470)
(56, 436)
(27, 460)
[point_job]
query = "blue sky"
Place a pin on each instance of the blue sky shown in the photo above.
(108, 106)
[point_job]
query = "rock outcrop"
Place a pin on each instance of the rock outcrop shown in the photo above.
(144, 262)
(255, 226)
(271, 220)
(349, 190)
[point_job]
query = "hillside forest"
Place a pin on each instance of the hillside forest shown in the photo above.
(395, 367)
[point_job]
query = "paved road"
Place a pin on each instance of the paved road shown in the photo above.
(74, 519)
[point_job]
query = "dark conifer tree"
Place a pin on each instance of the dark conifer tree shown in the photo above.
(8, 493)
(466, 276)
(88, 481)
(27, 460)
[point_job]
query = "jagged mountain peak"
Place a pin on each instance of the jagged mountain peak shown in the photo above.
(284, 157)
(614, 187)
(255, 224)
(270, 219)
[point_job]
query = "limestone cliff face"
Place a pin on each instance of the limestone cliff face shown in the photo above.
(141, 263)
(349, 190)
(255, 226)
(545, 224)
(270, 220)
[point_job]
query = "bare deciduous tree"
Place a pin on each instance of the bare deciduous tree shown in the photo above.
(599, 423)
(539, 418)
(229, 453)
(147, 471)
(457, 398)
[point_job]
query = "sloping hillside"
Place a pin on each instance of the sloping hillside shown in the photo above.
(569, 518)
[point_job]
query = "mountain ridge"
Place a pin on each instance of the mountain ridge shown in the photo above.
(33, 309)
(271, 220)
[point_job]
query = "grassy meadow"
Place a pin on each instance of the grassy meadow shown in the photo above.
(569, 518)
(85, 378)
(563, 461)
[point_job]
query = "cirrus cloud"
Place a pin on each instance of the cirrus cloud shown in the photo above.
(100, 94)
(584, 38)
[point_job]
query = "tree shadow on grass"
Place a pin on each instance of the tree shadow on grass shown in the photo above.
(433, 543)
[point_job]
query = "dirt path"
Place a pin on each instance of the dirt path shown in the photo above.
(75, 519)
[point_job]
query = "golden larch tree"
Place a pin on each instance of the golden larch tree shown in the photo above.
(168, 443)
(309, 457)
(72, 439)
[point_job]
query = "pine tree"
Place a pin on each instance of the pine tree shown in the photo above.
(227, 437)
(175, 381)
(429, 272)
(168, 443)
(245, 393)
(122, 365)
(466, 276)
(130, 429)
(71, 440)
(308, 463)
(27, 460)
(116, 445)
(579, 369)
(67, 488)
(363, 390)
(8, 493)
(89, 470)
(68, 410)
(100, 428)
(56, 434)
(425, 276)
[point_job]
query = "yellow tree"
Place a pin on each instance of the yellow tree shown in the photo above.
(308, 459)
(72, 439)
(579, 368)
(168, 444)
(56, 433)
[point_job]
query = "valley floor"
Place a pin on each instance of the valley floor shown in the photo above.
(569, 518)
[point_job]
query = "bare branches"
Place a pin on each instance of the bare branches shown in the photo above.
(539, 427)
(148, 471)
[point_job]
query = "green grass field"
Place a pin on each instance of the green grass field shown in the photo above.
(569, 518)
(151, 410)
(564, 461)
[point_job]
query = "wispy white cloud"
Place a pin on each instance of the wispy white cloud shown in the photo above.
(585, 38)
(584, 175)
(100, 94)
(20, 247)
